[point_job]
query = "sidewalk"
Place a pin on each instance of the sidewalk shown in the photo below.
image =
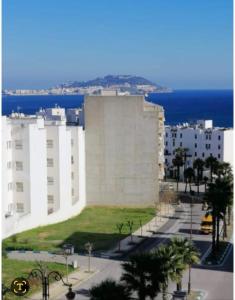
(130, 242)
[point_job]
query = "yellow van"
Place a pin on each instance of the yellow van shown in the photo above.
(206, 224)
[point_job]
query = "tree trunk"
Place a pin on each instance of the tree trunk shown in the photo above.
(213, 232)
(198, 181)
(186, 185)
(164, 294)
(217, 232)
(179, 286)
(229, 214)
(225, 227)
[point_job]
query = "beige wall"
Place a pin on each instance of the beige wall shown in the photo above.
(121, 150)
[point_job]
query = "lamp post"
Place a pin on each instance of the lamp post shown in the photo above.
(191, 233)
(89, 248)
(45, 279)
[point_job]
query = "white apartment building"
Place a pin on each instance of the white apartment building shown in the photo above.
(201, 139)
(57, 161)
(43, 170)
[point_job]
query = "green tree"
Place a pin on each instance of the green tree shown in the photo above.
(182, 152)
(211, 163)
(141, 276)
(188, 252)
(198, 164)
(177, 162)
(218, 196)
(189, 176)
(171, 267)
(109, 289)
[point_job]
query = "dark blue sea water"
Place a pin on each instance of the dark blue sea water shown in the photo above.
(180, 106)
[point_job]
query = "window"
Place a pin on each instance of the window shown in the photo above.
(19, 165)
(209, 136)
(166, 143)
(72, 160)
(9, 165)
(218, 155)
(195, 136)
(72, 175)
(219, 147)
(210, 154)
(20, 207)
(206, 137)
(219, 137)
(181, 144)
(19, 187)
(72, 143)
(166, 160)
(181, 135)
(50, 180)
(50, 199)
(49, 143)
(203, 154)
(208, 146)
(50, 162)
(9, 144)
(166, 134)
(10, 186)
(18, 144)
(195, 145)
(195, 153)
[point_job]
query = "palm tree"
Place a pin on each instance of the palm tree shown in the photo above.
(183, 153)
(109, 289)
(205, 178)
(218, 196)
(211, 163)
(142, 276)
(178, 162)
(171, 267)
(189, 254)
(198, 164)
(188, 175)
(224, 170)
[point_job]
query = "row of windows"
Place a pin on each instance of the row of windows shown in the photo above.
(19, 186)
(207, 146)
(208, 136)
(50, 180)
(19, 144)
(50, 143)
(18, 165)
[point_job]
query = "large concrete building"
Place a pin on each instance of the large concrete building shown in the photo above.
(123, 150)
(201, 139)
(55, 163)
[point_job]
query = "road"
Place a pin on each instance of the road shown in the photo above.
(217, 282)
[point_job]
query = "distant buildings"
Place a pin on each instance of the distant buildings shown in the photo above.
(57, 162)
(201, 139)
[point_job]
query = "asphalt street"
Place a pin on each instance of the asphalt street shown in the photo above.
(216, 282)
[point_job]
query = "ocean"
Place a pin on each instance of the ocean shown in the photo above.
(180, 106)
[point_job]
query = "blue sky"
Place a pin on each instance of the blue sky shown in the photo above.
(183, 44)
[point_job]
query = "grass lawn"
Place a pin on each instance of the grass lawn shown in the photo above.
(95, 224)
(12, 269)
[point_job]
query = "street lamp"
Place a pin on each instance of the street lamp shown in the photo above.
(191, 233)
(89, 248)
(44, 277)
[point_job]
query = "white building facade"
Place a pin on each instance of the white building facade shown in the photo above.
(201, 139)
(56, 162)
